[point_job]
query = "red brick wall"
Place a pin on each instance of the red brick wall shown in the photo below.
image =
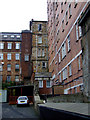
(26, 49)
(58, 39)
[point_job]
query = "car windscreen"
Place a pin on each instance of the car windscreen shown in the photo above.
(23, 98)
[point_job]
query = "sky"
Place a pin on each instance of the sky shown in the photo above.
(16, 14)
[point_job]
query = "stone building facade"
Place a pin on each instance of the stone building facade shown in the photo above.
(65, 52)
(85, 24)
(40, 56)
(26, 52)
(10, 57)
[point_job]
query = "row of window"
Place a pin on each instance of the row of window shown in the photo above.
(12, 36)
(9, 67)
(9, 56)
(64, 74)
(9, 78)
(9, 45)
(48, 83)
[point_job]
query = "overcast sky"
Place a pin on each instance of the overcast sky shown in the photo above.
(16, 14)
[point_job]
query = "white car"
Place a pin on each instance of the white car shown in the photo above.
(22, 100)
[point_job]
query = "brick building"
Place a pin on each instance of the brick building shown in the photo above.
(10, 57)
(65, 52)
(85, 24)
(40, 56)
(26, 51)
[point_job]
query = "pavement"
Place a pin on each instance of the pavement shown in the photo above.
(80, 108)
(22, 112)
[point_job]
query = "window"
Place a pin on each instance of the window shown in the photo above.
(79, 63)
(39, 39)
(43, 52)
(17, 56)
(69, 48)
(60, 77)
(70, 70)
(5, 36)
(59, 57)
(39, 52)
(48, 83)
(1, 45)
(77, 36)
(17, 45)
(12, 36)
(39, 27)
(1, 67)
(64, 73)
(40, 84)
(9, 45)
(43, 65)
(18, 36)
(80, 31)
(61, 7)
(17, 67)
(75, 90)
(1, 56)
(8, 67)
(81, 87)
(63, 26)
(63, 50)
(9, 56)
(70, 14)
(26, 57)
(75, 3)
(17, 78)
(8, 78)
(66, 17)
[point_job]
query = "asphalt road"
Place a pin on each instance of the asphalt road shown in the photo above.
(12, 111)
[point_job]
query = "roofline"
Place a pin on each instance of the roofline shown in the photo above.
(10, 32)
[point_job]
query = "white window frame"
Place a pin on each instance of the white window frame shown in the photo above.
(39, 52)
(77, 34)
(69, 43)
(39, 27)
(63, 50)
(48, 86)
(70, 70)
(79, 63)
(80, 31)
(59, 55)
(8, 67)
(1, 56)
(17, 56)
(17, 46)
(17, 68)
(1, 45)
(43, 52)
(9, 45)
(26, 57)
(45, 65)
(60, 78)
(40, 83)
(39, 39)
(65, 74)
(9, 56)
(17, 79)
